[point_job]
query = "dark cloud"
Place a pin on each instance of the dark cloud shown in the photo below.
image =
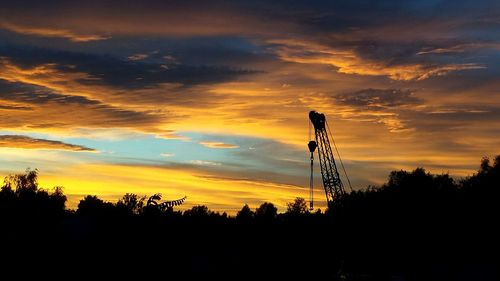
(120, 73)
(388, 34)
(316, 13)
(18, 141)
(51, 109)
(36, 95)
(460, 119)
(378, 98)
(235, 52)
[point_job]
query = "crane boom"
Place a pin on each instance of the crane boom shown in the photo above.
(331, 179)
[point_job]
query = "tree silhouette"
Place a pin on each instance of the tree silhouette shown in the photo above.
(22, 198)
(297, 207)
(92, 206)
(266, 212)
(245, 214)
(485, 165)
(132, 203)
(27, 182)
(200, 211)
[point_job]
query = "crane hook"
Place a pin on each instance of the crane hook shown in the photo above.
(312, 147)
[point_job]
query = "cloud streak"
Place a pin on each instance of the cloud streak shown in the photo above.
(52, 32)
(379, 98)
(349, 61)
(25, 142)
(215, 144)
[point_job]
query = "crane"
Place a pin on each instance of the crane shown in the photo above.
(334, 188)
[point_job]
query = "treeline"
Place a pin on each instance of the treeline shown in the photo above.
(417, 226)
(22, 201)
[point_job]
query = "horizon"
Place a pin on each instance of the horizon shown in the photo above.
(320, 205)
(210, 100)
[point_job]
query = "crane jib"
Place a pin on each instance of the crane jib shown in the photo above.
(332, 183)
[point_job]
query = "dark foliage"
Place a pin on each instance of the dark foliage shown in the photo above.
(297, 207)
(245, 214)
(417, 226)
(266, 212)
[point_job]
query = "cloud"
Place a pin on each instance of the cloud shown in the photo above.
(204, 163)
(52, 32)
(214, 144)
(355, 41)
(172, 135)
(138, 57)
(379, 98)
(454, 120)
(105, 70)
(379, 105)
(220, 17)
(452, 48)
(41, 108)
(18, 141)
(362, 62)
(10, 106)
(167, 154)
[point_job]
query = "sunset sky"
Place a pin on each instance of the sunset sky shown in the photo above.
(210, 99)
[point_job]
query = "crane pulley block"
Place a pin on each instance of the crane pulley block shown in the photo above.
(312, 146)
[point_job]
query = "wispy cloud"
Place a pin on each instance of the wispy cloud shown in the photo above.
(350, 61)
(18, 141)
(215, 144)
(52, 32)
(45, 109)
(204, 163)
(137, 57)
(379, 98)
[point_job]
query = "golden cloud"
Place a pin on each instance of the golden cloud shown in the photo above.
(349, 62)
(56, 100)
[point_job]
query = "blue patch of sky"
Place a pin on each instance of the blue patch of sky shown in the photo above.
(251, 153)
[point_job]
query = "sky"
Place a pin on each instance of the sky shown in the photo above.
(210, 99)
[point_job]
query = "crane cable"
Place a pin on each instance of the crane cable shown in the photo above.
(311, 179)
(340, 159)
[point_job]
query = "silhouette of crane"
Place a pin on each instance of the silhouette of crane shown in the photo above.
(334, 188)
